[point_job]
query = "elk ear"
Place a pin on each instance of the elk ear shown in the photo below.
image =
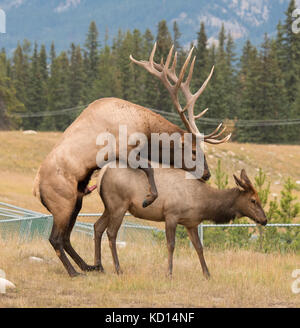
(246, 180)
(240, 183)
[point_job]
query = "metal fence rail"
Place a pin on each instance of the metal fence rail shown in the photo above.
(202, 227)
(28, 224)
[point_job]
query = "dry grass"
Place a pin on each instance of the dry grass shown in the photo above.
(239, 278)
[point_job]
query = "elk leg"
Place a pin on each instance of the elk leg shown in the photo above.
(170, 235)
(153, 191)
(194, 237)
(67, 243)
(112, 231)
(57, 241)
(99, 228)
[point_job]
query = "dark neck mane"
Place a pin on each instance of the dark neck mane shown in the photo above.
(222, 207)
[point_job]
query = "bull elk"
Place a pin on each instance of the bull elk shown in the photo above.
(181, 201)
(63, 177)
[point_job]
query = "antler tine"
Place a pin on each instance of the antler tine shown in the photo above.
(173, 67)
(214, 134)
(183, 69)
(201, 114)
(166, 66)
(151, 58)
(216, 142)
(191, 70)
(165, 74)
(199, 92)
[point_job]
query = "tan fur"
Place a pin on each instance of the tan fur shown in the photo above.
(100, 176)
(62, 178)
(181, 201)
(36, 186)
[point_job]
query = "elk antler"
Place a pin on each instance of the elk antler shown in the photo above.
(164, 73)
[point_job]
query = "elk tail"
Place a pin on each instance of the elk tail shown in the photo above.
(100, 177)
(36, 186)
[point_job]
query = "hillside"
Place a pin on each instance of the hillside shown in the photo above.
(67, 21)
(21, 155)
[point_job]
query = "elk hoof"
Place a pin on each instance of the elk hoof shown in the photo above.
(99, 268)
(76, 274)
(93, 268)
(206, 275)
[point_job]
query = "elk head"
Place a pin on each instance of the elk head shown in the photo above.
(174, 84)
(249, 203)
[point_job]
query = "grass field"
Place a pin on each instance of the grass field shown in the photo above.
(239, 278)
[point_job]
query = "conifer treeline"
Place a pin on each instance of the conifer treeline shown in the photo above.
(263, 84)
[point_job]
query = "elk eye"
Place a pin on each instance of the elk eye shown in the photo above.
(253, 201)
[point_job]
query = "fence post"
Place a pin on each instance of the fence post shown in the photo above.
(200, 233)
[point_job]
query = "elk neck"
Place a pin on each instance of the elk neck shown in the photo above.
(220, 206)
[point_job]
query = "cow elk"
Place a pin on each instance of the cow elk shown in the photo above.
(181, 201)
(63, 177)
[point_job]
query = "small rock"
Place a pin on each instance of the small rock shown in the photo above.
(298, 182)
(5, 284)
(121, 244)
(277, 182)
(29, 132)
(231, 153)
(35, 259)
(274, 194)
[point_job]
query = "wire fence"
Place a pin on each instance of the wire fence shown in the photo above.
(27, 224)
(173, 116)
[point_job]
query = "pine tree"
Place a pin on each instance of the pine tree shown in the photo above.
(91, 59)
(9, 104)
(151, 84)
(108, 84)
(20, 71)
(76, 76)
(263, 92)
(249, 74)
(35, 102)
(222, 89)
(292, 54)
(59, 93)
(201, 68)
(176, 37)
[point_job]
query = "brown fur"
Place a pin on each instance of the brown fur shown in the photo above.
(62, 178)
(181, 201)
